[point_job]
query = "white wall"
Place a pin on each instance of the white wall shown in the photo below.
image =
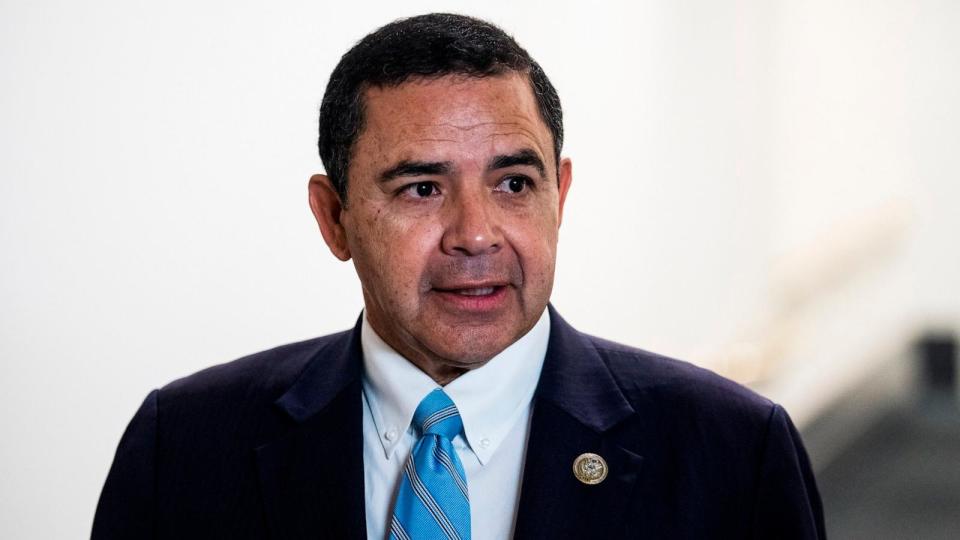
(867, 174)
(153, 215)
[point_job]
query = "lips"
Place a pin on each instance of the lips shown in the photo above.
(473, 298)
(484, 289)
(477, 291)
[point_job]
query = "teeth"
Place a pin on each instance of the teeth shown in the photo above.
(476, 292)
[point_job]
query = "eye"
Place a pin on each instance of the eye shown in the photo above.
(514, 184)
(421, 190)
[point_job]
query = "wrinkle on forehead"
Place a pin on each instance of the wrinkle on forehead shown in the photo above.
(458, 103)
(456, 132)
(453, 134)
(509, 128)
(467, 127)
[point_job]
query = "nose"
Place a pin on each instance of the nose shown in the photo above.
(471, 227)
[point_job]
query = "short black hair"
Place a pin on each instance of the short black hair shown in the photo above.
(427, 46)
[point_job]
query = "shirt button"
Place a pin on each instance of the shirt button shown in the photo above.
(484, 442)
(390, 435)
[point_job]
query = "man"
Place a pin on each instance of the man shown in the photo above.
(461, 405)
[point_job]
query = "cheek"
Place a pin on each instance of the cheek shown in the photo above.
(401, 249)
(535, 243)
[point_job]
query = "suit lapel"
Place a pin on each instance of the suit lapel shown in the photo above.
(312, 475)
(577, 409)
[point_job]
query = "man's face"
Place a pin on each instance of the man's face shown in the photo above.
(453, 208)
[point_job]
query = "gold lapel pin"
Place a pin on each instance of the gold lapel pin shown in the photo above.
(590, 468)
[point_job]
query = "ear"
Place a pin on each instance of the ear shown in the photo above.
(327, 208)
(563, 183)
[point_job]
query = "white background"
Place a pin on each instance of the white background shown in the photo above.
(740, 168)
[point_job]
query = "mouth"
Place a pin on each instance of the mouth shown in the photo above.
(473, 291)
(485, 288)
(483, 297)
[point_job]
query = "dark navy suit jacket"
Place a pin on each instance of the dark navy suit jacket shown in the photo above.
(270, 446)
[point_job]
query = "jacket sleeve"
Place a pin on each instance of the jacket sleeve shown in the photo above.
(788, 504)
(126, 507)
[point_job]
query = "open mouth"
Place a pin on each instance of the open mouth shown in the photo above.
(476, 291)
(485, 297)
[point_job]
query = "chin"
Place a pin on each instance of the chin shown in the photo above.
(476, 350)
(472, 358)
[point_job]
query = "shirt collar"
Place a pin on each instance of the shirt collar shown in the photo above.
(490, 399)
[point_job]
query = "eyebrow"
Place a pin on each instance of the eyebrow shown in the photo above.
(411, 168)
(416, 168)
(523, 157)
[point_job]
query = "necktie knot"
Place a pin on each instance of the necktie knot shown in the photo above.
(438, 415)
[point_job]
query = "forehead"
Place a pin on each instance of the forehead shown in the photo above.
(474, 114)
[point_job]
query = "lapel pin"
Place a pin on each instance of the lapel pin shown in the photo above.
(590, 468)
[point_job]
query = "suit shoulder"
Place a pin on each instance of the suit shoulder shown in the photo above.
(649, 379)
(264, 374)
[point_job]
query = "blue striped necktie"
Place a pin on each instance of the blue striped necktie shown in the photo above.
(432, 501)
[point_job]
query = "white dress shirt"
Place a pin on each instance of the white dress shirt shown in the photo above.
(495, 405)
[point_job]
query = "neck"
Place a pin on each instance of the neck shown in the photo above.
(442, 376)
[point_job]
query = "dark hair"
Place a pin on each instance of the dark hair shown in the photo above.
(430, 45)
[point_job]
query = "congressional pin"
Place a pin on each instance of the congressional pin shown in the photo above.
(590, 468)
